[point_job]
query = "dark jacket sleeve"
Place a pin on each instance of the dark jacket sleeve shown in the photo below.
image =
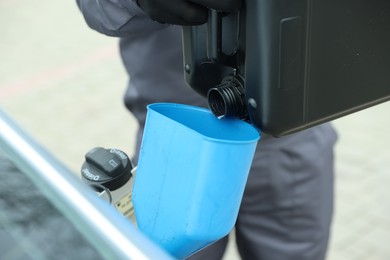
(119, 18)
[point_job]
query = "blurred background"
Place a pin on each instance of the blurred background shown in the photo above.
(64, 84)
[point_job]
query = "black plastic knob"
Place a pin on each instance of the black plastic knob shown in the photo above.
(110, 168)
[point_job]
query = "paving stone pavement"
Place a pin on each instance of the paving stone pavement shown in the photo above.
(64, 84)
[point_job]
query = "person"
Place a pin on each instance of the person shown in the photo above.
(286, 210)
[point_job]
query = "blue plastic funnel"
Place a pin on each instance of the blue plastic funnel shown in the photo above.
(191, 176)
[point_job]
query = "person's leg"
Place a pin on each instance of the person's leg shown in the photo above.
(287, 207)
(214, 251)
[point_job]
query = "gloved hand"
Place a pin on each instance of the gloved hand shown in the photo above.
(185, 12)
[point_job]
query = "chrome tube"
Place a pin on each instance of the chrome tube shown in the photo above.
(111, 234)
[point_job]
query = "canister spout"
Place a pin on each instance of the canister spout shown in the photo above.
(227, 99)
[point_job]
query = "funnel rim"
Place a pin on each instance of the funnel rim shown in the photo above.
(252, 136)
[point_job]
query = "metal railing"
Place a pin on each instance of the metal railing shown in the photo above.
(110, 233)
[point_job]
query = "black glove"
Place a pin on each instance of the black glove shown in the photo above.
(185, 12)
